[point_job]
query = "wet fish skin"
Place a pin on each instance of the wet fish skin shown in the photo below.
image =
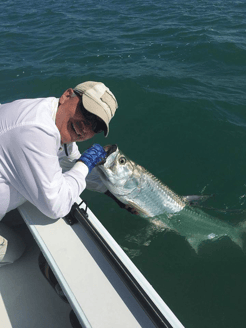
(133, 185)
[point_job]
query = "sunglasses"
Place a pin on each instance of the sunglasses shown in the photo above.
(97, 125)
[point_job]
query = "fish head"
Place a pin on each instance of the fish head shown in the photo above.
(120, 175)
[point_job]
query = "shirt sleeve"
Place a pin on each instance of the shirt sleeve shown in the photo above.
(94, 182)
(68, 161)
(31, 165)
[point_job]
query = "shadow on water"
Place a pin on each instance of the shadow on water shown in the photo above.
(204, 289)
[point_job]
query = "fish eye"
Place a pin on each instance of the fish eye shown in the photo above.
(122, 160)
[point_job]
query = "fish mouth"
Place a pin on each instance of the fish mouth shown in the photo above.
(110, 149)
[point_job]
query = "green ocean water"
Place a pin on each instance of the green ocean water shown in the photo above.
(178, 72)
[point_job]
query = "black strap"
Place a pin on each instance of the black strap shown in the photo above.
(65, 147)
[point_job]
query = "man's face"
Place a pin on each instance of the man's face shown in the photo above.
(70, 120)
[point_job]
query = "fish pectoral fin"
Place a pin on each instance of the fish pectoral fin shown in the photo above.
(196, 199)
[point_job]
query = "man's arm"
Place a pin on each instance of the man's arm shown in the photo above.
(93, 181)
(32, 168)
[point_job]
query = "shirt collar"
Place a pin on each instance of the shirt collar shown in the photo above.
(54, 108)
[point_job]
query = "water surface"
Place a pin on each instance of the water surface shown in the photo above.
(178, 71)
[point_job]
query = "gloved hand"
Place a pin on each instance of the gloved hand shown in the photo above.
(92, 156)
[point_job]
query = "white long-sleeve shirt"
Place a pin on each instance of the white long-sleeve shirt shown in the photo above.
(33, 164)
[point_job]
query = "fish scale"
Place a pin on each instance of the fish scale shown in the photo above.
(156, 198)
(137, 187)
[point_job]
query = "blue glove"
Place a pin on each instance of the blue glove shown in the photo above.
(92, 156)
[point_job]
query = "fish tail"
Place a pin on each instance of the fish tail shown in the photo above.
(242, 225)
(239, 240)
(242, 235)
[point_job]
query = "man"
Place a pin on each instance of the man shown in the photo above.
(39, 159)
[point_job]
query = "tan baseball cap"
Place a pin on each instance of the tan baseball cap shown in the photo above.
(98, 100)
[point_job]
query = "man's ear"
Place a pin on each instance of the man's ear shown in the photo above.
(66, 96)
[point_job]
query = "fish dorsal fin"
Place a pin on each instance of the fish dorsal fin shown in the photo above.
(196, 199)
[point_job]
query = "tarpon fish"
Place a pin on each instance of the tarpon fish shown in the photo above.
(134, 186)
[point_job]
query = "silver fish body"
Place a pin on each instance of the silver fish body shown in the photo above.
(134, 186)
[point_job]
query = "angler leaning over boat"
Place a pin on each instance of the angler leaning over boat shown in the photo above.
(39, 159)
